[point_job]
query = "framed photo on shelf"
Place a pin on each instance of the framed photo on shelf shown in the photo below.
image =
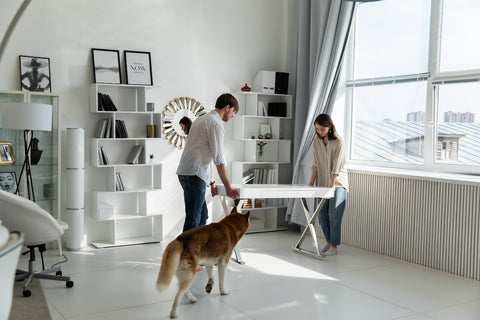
(6, 153)
(8, 181)
(35, 74)
(265, 130)
(106, 66)
(138, 67)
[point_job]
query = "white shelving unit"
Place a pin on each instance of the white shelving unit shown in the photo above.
(130, 222)
(276, 153)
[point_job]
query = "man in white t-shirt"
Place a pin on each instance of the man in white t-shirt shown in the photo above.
(204, 146)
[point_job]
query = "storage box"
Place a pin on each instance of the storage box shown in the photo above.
(271, 82)
(106, 211)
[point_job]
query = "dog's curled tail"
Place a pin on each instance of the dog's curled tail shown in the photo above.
(170, 261)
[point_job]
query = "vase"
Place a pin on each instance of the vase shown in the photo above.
(260, 155)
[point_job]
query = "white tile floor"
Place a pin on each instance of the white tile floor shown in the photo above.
(275, 283)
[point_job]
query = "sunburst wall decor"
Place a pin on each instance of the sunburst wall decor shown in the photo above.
(174, 111)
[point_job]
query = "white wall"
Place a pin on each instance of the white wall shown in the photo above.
(199, 48)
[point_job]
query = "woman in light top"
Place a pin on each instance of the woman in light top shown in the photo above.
(328, 170)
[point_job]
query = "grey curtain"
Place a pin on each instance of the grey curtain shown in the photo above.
(324, 26)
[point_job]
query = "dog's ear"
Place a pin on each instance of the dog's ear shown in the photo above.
(234, 210)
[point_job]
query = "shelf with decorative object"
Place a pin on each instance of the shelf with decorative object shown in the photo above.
(126, 139)
(264, 126)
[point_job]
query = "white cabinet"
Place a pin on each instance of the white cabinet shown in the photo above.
(263, 159)
(122, 201)
(45, 173)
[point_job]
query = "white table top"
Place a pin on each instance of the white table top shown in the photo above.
(270, 191)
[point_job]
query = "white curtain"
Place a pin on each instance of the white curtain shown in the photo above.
(324, 26)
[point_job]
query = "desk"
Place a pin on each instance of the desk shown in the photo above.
(285, 191)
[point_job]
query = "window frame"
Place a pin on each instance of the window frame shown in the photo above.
(434, 78)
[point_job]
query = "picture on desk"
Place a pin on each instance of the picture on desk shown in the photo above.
(8, 181)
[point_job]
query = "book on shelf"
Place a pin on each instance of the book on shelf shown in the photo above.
(135, 154)
(105, 103)
(101, 128)
(248, 177)
(103, 156)
(260, 176)
(108, 130)
(100, 157)
(246, 204)
(119, 186)
(120, 129)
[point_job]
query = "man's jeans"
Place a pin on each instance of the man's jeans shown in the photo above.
(196, 212)
(330, 216)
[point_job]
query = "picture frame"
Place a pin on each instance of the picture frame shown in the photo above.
(8, 182)
(35, 74)
(106, 66)
(265, 129)
(6, 153)
(138, 67)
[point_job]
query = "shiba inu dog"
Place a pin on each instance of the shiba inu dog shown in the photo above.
(209, 245)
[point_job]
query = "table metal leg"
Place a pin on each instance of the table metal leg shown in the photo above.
(310, 227)
(238, 256)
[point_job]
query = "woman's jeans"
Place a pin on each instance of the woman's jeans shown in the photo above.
(196, 212)
(331, 214)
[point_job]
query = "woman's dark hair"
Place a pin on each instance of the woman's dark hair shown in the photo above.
(187, 123)
(324, 120)
(227, 99)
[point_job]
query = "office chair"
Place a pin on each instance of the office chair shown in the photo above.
(9, 253)
(39, 228)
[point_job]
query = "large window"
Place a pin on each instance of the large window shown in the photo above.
(413, 84)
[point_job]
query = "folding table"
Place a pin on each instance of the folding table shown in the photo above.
(284, 191)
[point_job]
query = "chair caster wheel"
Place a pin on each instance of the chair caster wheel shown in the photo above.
(27, 293)
(58, 273)
(69, 284)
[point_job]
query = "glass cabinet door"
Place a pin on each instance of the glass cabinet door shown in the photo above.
(43, 155)
(10, 172)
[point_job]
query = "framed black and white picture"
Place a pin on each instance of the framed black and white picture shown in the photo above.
(106, 66)
(138, 67)
(6, 153)
(8, 181)
(35, 74)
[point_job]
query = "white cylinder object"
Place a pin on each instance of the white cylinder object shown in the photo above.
(75, 231)
(75, 188)
(75, 148)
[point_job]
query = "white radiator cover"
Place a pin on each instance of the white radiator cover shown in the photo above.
(427, 222)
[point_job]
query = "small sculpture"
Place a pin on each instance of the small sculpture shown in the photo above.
(246, 88)
(36, 153)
